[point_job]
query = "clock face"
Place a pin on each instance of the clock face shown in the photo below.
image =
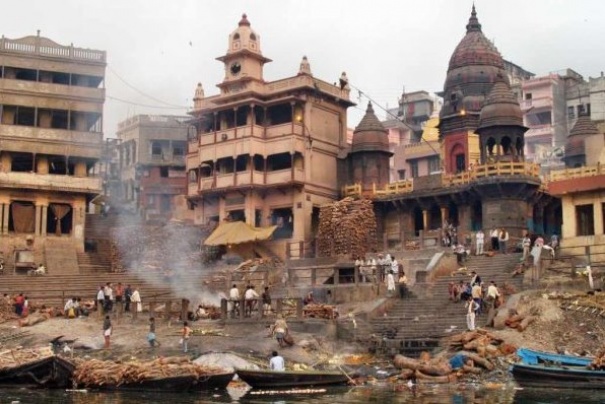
(235, 68)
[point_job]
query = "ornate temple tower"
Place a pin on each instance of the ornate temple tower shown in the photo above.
(575, 153)
(473, 69)
(370, 154)
(501, 127)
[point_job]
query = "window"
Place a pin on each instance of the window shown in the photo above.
(414, 169)
(584, 220)
(401, 174)
(581, 109)
(178, 151)
(156, 149)
(434, 165)
(164, 172)
(528, 96)
(571, 113)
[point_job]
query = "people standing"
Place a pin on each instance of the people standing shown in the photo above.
(475, 278)
(526, 244)
(109, 298)
(107, 331)
(479, 240)
(381, 268)
(234, 299)
(277, 362)
(127, 296)
(395, 267)
(494, 236)
(280, 329)
(119, 292)
(477, 293)
(19, 301)
(503, 240)
(151, 336)
(471, 308)
(138, 306)
(390, 284)
(266, 297)
(403, 286)
(100, 300)
(251, 298)
(185, 334)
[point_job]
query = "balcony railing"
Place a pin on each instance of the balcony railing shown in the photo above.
(448, 180)
(51, 182)
(257, 178)
(580, 172)
(66, 52)
(96, 95)
(543, 130)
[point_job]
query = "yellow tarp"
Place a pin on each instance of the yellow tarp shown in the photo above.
(238, 233)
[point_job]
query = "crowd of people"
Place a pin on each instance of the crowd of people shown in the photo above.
(478, 297)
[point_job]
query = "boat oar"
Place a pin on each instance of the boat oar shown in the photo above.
(347, 375)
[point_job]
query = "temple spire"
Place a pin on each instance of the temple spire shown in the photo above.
(473, 22)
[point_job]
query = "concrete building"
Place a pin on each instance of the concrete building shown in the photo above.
(581, 189)
(267, 152)
(151, 163)
(51, 137)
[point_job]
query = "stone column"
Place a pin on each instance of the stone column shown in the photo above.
(38, 220)
(44, 219)
(6, 209)
(425, 219)
(444, 214)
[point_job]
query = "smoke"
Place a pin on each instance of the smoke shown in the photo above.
(167, 255)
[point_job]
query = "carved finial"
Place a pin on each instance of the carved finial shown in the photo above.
(244, 20)
(473, 22)
(199, 96)
(305, 66)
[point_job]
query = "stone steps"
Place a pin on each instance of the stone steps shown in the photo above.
(431, 314)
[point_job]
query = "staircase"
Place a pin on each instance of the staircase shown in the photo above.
(97, 262)
(415, 324)
(61, 257)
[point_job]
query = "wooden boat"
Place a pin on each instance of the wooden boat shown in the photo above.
(533, 357)
(48, 372)
(175, 384)
(558, 376)
(274, 379)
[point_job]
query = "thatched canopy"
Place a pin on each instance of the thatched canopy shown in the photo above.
(237, 233)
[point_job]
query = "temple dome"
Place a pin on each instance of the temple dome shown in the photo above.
(473, 68)
(370, 134)
(501, 108)
(574, 148)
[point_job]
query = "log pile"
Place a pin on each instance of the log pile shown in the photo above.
(519, 322)
(95, 372)
(599, 362)
(473, 350)
(34, 319)
(7, 311)
(11, 358)
(315, 310)
(347, 227)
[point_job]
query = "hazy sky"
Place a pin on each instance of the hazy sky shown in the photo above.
(163, 48)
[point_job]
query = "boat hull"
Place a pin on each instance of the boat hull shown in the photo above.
(175, 384)
(533, 357)
(49, 372)
(557, 377)
(278, 379)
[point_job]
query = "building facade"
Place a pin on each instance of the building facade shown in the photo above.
(51, 137)
(151, 154)
(266, 152)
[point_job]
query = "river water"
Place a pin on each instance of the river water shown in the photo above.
(357, 395)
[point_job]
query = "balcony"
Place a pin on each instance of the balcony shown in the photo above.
(45, 47)
(244, 178)
(51, 141)
(536, 103)
(539, 131)
(96, 95)
(50, 182)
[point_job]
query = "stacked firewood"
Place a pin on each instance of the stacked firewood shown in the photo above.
(599, 362)
(475, 351)
(315, 310)
(347, 227)
(34, 319)
(7, 311)
(11, 358)
(519, 322)
(95, 372)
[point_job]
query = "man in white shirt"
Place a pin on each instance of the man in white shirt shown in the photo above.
(494, 235)
(100, 300)
(479, 240)
(277, 362)
(234, 298)
(492, 291)
(395, 267)
(251, 297)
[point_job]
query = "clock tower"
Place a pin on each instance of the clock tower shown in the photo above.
(244, 60)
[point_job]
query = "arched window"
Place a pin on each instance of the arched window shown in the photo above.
(253, 37)
(236, 36)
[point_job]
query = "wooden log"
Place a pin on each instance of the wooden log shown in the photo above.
(421, 377)
(484, 363)
(526, 322)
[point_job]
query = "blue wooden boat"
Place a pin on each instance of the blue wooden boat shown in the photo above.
(557, 376)
(533, 357)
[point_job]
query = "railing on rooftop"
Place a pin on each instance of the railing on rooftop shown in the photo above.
(571, 173)
(68, 52)
(447, 180)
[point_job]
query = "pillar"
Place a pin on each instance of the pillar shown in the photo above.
(38, 220)
(598, 217)
(42, 165)
(44, 219)
(80, 169)
(444, 214)
(6, 208)
(425, 219)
